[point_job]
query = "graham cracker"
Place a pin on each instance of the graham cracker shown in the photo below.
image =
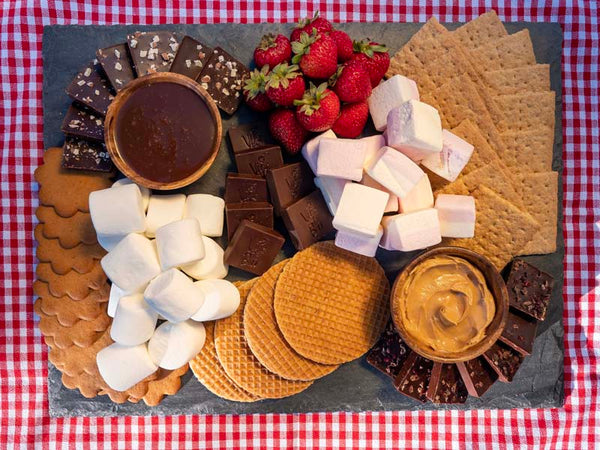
(529, 150)
(265, 339)
(514, 50)
(501, 229)
(480, 31)
(483, 153)
(70, 231)
(535, 78)
(457, 187)
(525, 111)
(240, 363)
(331, 304)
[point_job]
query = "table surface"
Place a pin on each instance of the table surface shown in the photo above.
(24, 419)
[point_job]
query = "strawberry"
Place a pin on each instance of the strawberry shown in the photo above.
(352, 120)
(272, 50)
(318, 109)
(344, 45)
(285, 84)
(254, 91)
(308, 25)
(286, 130)
(375, 57)
(352, 83)
(316, 54)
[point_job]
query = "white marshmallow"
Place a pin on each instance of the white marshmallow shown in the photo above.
(143, 190)
(134, 321)
(113, 299)
(374, 144)
(179, 243)
(360, 210)
(211, 266)
(209, 210)
(332, 189)
(132, 263)
(173, 295)
(453, 158)
(163, 209)
(457, 215)
(174, 344)
(117, 211)
(123, 366)
(341, 158)
(388, 95)
(392, 204)
(411, 231)
(395, 171)
(415, 128)
(358, 243)
(420, 197)
(310, 150)
(221, 299)
(109, 242)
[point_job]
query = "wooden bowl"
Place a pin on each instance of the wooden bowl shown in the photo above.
(110, 124)
(495, 284)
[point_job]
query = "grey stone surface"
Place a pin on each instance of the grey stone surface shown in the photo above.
(354, 386)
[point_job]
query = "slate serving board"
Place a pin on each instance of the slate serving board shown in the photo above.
(355, 386)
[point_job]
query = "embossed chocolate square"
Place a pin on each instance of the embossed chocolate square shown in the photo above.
(259, 161)
(308, 220)
(242, 188)
(257, 212)
(249, 136)
(289, 183)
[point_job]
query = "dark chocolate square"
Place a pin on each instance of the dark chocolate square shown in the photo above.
(152, 51)
(91, 89)
(519, 332)
(308, 220)
(477, 375)
(389, 353)
(83, 123)
(289, 183)
(413, 378)
(82, 154)
(241, 188)
(504, 360)
(256, 212)
(116, 65)
(249, 136)
(446, 385)
(259, 161)
(191, 57)
(529, 289)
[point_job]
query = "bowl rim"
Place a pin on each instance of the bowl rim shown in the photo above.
(496, 285)
(111, 120)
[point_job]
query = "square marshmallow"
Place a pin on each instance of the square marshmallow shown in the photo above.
(209, 210)
(341, 158)
(453, 158)
(374, 144)
(395, 171)
(118, 210)
(360, 210)
(310, 150)
(392, 204)
(388, 95)
(420, 197)
(411, 231)
(457, 215)
(332, 189)
(358, 243)
(415, 128)
(163, 209)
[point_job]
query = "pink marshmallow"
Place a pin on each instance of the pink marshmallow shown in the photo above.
(392, 204)
(341, 158)
(421, 197)
(388, 95)
(310, 150)
(411, 231)
(374, 143)
(358, 243)
(456, 214)
(395, 171)
(453, 158)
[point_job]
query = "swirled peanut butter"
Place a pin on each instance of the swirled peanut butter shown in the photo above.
(446, 304)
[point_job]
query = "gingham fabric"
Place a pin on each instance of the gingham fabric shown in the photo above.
(24, 420)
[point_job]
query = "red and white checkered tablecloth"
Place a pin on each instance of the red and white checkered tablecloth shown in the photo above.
(24, 419)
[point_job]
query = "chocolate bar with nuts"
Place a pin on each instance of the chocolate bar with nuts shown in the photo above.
(529, 289)
(191, 57)
(91, 89)
(82, 154)
(116, 65)
(446, 385)
(152, 51)
(413, 378)
(504, 360)
(519, 331)
(477, 375)
(389, 353)
(82, 123)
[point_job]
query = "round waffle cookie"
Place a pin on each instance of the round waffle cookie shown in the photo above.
(240, 363)
(266, 341)
(209, 371)
(331, 304)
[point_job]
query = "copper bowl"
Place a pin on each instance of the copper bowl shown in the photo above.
(111, 121)
(495, 284)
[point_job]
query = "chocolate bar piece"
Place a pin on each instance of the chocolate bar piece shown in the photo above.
(86, 155)
(257, 212)
(91, 89)
(116, 65)
(529, 289)
(249, 136)
(223, 77)
(413, 378)
(288, 184)
(504, 360)
(308, 220)
(82, 123)
(477, 375)
(259, 161)
(519, 332)
(446, 385)
(389, 352)
(190, 57)
(152, 51)
(241, 188)
(253, 247)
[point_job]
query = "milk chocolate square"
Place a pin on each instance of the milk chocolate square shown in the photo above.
(82, 154)
(152, 51)
(389, 353)
(91, 89)
(504, 360)
(242, 188)
(413, 378)
(191, 57)
(83, 123)
(253, 248)
(446, 385)
(477, 375)
(529, 289)
(308, 220)
(249, 136)
(259, 161)
(519, 331)
(257, 212)
(116, 64)
(288, 184)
